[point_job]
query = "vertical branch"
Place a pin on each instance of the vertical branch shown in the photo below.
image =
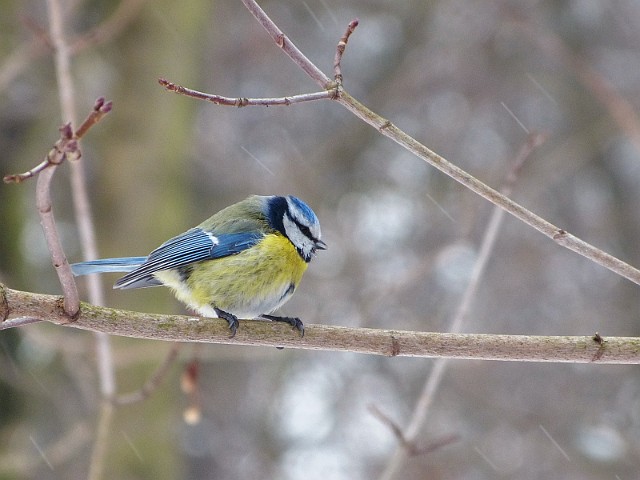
(86, 230)
(43, 186)
(58, 258)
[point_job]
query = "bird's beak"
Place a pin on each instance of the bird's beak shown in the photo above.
(320, 245)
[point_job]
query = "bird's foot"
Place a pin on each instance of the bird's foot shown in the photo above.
(295, 322)
(229, 317)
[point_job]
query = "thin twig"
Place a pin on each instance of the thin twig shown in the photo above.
(433, 380)
(393, 426)
(50, 230)
(567, 349)
(244, 102)
(153, 382)
(342, 44)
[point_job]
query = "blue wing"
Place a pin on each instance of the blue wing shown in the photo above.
(195, 245)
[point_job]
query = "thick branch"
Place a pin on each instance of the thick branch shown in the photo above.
(577, 349)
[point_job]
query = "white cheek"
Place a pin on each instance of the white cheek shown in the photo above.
(299, 239)
(293, 232)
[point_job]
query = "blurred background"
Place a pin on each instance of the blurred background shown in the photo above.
(468, 79)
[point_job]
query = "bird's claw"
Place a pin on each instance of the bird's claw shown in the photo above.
(231, 319)
(295, 322)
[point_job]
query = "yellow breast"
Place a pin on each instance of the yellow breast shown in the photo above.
(253, 282)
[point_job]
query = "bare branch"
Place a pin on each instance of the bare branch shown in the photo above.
(100, 109)
(576, 349)
(393, 426)
(245, 102)
(388, 129)
(58, 257)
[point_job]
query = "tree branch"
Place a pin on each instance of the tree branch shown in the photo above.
(391, 343)
(389, 130)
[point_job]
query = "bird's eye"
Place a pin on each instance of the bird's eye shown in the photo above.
(304, 229)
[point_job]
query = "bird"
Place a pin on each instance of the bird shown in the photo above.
(243, 262)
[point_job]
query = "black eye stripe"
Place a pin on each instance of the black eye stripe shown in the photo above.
(306, 231)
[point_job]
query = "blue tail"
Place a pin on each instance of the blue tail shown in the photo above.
(107, 265)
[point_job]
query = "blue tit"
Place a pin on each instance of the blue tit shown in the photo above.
(243, 262)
